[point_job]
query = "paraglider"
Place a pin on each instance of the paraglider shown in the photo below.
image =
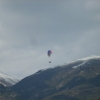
(49, 54)
(49, 61)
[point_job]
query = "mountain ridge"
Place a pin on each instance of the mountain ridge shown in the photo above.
(69, 81)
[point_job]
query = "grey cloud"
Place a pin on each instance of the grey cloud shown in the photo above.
(29, 28)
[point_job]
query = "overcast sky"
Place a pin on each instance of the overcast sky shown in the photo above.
(29, 28)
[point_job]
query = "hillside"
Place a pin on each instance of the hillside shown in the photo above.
(77, 80)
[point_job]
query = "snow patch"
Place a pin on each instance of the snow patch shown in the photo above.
(90, 58)
(85, 60)
(80, 65)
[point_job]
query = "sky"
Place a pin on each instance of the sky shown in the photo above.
(29, 28)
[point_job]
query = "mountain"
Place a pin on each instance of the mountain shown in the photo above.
(7, 80)
(77, 80)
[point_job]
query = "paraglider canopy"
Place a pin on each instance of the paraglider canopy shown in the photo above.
(49, 53)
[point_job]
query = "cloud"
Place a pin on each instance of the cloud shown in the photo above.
(29, 28)
(91, 4)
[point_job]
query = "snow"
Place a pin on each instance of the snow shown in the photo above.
(8, 79)
(80, 64)
(85, 60)
(90, 58)
(82, 61)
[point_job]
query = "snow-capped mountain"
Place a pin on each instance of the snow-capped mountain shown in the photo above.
(71, 81)
(7, 80)
(76, 63)
(83, 62)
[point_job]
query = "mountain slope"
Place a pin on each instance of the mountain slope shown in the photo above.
(7, 80)
(78, 80)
